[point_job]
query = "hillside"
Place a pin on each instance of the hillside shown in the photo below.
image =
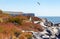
(11, 27)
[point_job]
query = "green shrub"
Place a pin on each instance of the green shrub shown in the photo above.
(16, 21)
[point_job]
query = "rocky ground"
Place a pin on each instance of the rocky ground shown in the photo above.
(51, 31)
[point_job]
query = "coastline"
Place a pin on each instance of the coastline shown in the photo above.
(30, 25)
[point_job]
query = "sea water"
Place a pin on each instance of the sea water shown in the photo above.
(52, 19)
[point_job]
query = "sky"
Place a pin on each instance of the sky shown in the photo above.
(46, 7)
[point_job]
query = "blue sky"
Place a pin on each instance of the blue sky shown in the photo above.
(46, 7)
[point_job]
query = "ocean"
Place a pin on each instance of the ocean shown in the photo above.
(52, 19)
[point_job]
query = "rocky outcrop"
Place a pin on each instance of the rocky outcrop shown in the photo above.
(51, 31)
(57, 24)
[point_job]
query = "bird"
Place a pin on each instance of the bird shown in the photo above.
(38, 3)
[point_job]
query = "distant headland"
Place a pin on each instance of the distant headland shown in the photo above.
(18, 13)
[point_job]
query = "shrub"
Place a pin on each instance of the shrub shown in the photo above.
(1, 29)
(15, 21)
(29, 36)
(1, 11)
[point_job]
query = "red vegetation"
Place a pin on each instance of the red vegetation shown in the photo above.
(10, 26)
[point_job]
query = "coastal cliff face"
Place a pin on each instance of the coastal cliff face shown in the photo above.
(18, 27)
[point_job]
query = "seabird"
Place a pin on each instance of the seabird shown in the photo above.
(38, 3)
